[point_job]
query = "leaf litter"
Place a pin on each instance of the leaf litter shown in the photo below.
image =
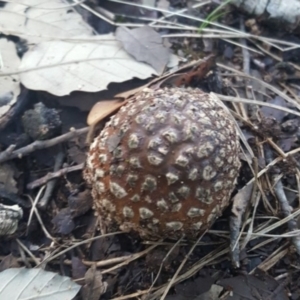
(85, 66)
(145, 45)
(264, 238)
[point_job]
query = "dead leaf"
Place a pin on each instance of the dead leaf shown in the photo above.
(192, 290)
(9, 85)
(63, 221)
(60, 67)
(77, 154)
(103, 109)
(197, 73)
(195, 69)
(187, 74)
(80, 203)
(94, 286)
(8, 172)
(132, 92)
(253, 287)
(39, 20)
(212, 294)
(145, 45)
(78, 268)
(270, 112)
(9, 262)
(22, 283)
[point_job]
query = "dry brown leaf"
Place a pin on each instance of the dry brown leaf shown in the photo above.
(103, 109)
(195, 71)
(184, 75)
(132, 92)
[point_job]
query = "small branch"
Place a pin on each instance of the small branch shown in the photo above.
(286, 210)
(49, 176)
(59, 159)
(38, 145)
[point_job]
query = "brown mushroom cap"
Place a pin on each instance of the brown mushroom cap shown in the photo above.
(165, 164)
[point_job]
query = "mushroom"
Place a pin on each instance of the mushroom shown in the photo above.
(165, 164)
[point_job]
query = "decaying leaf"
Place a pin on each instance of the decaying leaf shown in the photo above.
(8, 172)
(63, 221)
(94, 286)
(60, 67)
(8, 262)
(146, 45)
(253, 287)
(39, 20)
(212, 294)
(277, 114)
(24, 284)
(78, 268)
(193, 290)
(80, 203)
(197, 73)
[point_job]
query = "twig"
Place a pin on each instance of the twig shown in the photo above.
(246, 56)
(51, 184)
(174, 278)
(273, 259)
(134, 257)
(33, 205)
(34, 210)
(286, 210)
(38, 145)
(207, 259)
(163, 261)
(49, 176)
(50, 258)
(34, 259)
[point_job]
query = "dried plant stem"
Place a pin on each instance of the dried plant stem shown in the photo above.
(38, 145)
(162, 263)
(34, 259)
(51, 184)
(134, 257)
(50, 258)
(49, 176)
(171, 283)
(34, 210)
(286, 210)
